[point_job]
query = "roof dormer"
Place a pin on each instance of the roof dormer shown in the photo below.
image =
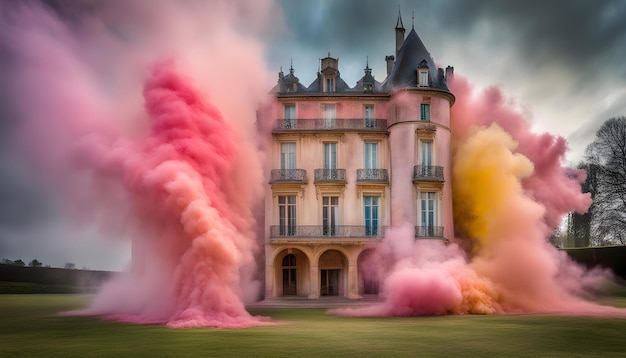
(422, 74)
(329, 71)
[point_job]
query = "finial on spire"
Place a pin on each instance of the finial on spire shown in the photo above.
(413, 20)
(291, 67)
(367, 62)
(399, 24)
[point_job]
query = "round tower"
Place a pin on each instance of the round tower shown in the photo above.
(420, 142)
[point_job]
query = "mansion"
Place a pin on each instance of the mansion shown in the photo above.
(346, 164)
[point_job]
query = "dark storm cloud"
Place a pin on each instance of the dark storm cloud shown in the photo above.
(22, 202)
(580, 35)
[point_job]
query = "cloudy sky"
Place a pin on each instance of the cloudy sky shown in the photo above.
(562, 62)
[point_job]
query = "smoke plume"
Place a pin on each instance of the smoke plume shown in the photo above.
(142, 116)
(510, 191)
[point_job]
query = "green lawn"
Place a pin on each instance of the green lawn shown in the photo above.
(30, 327)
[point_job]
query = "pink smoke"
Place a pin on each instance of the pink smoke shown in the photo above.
(165, 155)
(557, 188)
(176, 178)
(511, 191)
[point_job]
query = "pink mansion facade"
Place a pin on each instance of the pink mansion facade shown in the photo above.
(346, 164)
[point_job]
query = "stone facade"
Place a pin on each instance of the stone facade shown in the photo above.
(345, 164)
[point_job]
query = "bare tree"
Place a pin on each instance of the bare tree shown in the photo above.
(579, 225)
(607, 156)
(70, 266)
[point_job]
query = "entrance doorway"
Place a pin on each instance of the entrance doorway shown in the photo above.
(329, 285)
(289, 276)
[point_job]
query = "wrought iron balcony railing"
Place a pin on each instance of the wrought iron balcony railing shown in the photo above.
(428, 172)
(330, 176)
(331, 124)
(288, 176)
(372, 175)
(320, 231)
(429, 232)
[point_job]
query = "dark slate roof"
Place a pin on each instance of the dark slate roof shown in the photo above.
(316, 86)
(410, 57)
(285, 83)
(378, 87)
(367, 78)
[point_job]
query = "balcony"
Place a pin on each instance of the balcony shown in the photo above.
(316, 124)
(429, 232)
(425, 126)
(330, 176)
(372, 176)
(288, 176)
(319, 231)
(427, 173)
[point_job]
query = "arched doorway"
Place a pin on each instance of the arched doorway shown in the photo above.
(333, 270)
(368, 274)
(292, 273)
(290, 283)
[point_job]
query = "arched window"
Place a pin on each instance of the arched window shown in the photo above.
(289, 261)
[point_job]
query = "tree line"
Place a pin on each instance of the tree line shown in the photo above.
(35, 263)
(605, 163)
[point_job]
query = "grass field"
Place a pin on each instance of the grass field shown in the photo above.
(30, 327)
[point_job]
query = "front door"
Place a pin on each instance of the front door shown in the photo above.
(289, 275)
(289, 282)
(329, 285)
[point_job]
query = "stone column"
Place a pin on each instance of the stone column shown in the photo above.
(353, 282)
(269, 282)
(315, 283)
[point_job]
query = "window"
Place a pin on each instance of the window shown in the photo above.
(287, 215)
(287, 155)
(330, 215)
(290, 116)
(370, 207)
(330, 84)
(428, 211)
(426, 153)
(370, 122)
(330, 156)
(423, 78)
(425, 112)
(329, 115)
(371, 155)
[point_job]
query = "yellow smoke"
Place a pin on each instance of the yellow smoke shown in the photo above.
(486, 175)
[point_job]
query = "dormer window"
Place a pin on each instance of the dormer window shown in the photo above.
(422, 77)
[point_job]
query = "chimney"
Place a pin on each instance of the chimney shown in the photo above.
(390, 61)
(449, 74)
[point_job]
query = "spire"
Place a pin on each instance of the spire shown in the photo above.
(413, 20)
(291, 67)
(368, 70)
(399, 32)
(368, 81)
(399, 24)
